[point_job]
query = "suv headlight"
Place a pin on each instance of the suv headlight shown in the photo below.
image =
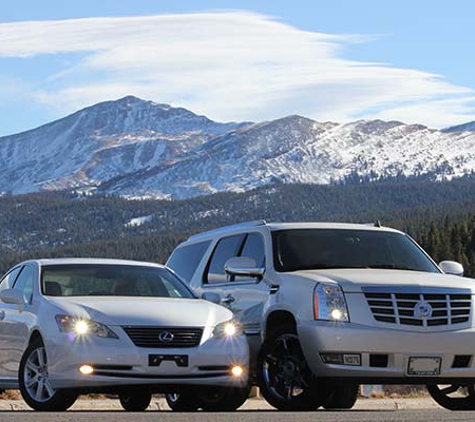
(329, 303)
(228, 329)
(83, 327)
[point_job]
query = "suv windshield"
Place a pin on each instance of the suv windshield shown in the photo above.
(303, 249)
(111, 280)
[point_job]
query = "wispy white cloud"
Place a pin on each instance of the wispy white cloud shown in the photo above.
(230, 66)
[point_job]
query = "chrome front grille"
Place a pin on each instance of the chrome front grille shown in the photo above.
(420, 309)
(153, 337)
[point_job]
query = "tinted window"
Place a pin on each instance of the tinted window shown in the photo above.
(111, 280)
(9, 278)
(186, 259)
(225, 249)
(253, 248)
(333, 248)
(25, 281)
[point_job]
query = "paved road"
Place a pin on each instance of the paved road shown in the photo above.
(429, 415)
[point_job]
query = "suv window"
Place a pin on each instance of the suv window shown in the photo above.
(186, 259)
(226, 248)
(305, 249)
(25, 283)
(253, 248)
(9, 278)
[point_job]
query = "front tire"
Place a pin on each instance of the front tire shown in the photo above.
(341, 396)
(35, 385)
(454, 396)
(135, 401)
(286, 381)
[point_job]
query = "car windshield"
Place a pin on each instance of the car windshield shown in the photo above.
(302, 249)
(111, 280)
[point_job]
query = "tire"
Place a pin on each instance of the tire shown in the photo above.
(135, 400)
(453, 397)
(222, 399)
(35, 387)
(341, 396)
(285, 379)
(182, 402)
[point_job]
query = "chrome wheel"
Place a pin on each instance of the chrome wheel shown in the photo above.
(285, 370)
(36, 377)
(173, 397)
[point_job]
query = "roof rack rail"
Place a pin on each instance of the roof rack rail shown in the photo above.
(233, 226)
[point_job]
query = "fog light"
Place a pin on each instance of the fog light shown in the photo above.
(237, 371)
(352, 360)
(86, 369)
(332, 358)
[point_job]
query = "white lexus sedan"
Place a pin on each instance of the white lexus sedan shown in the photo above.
(73, 326)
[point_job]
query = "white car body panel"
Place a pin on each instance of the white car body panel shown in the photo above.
(67, 353)
(293, 292)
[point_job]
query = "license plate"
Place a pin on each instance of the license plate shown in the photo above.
(156, 360)
(424, 366)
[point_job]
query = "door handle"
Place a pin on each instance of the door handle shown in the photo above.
(2, 315)
(228, 300)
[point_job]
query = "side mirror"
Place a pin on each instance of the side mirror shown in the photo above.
(451, 267)
(243, 266)
(12, 296)
(212, 297)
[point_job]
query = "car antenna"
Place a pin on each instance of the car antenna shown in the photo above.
(377, 224)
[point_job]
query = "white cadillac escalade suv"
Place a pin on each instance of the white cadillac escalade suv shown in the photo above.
(329, 306)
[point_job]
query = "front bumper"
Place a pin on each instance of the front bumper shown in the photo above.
(319, 337)
(118, 362)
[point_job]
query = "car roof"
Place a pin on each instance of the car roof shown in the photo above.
(238, 228)
(89, 261)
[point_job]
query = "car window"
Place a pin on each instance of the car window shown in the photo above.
(226, 248)
(111, 280)
(25, 282)
(305, 249)
(253, 248)
(186, 259)
(9, 278)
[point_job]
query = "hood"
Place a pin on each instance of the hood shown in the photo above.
(165, 312)
(352, 280)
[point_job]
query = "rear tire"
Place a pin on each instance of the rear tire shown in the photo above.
(222, 399)
(286, 381)
(135, 400)
(182, 402)
(341, 396)
(453, 397)
(35, 386)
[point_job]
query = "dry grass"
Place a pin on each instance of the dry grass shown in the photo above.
(10, 395)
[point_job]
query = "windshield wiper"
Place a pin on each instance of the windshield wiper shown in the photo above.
(325, 267)
(391, 267)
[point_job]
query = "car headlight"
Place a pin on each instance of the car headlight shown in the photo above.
(83, 327)
(228, 329)
(329, 303)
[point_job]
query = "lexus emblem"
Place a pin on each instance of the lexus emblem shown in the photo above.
(166, 337)
(423, 310)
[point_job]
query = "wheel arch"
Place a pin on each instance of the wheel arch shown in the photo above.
(35, 335)
(277, 318)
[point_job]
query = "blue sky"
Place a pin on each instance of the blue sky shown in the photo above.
(240, 60)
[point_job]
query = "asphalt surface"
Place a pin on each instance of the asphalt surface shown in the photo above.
(242, 416)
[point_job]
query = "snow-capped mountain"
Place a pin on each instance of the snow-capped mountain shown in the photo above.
(139, 148)
(466, 127)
